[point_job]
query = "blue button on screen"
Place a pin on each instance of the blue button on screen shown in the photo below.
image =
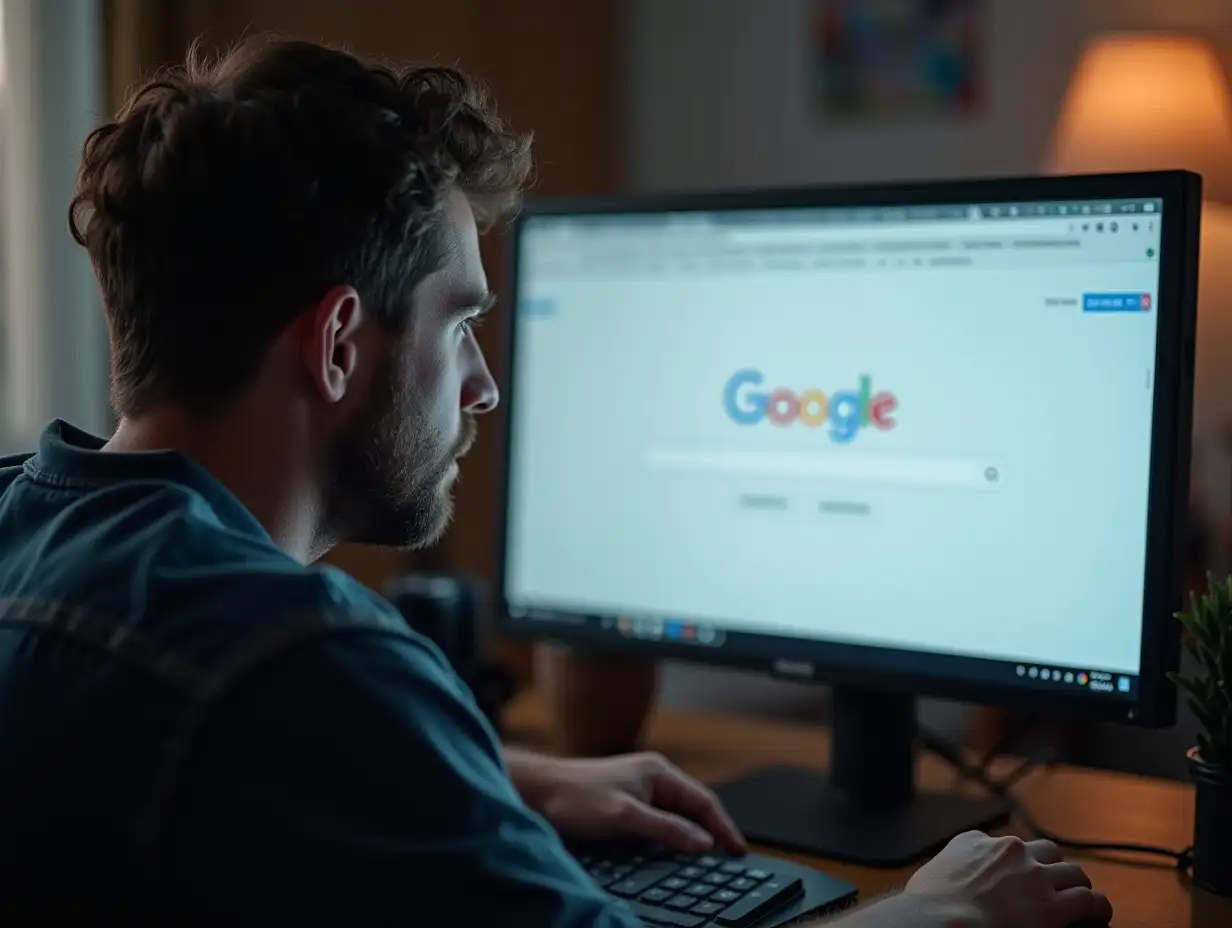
(539, 308)
(1116, 302)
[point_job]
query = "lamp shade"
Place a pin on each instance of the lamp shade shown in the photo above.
(1146, 102)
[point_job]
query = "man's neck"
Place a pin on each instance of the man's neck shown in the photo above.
(261, 462)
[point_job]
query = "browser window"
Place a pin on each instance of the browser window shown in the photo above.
(923, 428)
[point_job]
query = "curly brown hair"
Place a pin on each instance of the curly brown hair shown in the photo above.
(230, 194)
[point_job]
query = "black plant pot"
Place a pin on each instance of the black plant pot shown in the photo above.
(1212, 851)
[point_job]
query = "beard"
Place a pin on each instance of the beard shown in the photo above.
(391, 472)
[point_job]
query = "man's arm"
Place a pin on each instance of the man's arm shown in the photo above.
(357, 776)
(521, 763)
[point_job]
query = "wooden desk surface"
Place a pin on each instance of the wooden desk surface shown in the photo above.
(1081, 804)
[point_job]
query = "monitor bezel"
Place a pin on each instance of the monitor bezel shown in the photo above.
(1168, 496)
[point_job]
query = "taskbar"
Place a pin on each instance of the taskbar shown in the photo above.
(801, 658)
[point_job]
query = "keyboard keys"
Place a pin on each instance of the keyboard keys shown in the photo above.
(641, 880)
(765, 898)
(653, 915)
(669, 890)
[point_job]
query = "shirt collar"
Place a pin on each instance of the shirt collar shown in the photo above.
(71, 458)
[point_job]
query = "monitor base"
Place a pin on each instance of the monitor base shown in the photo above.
(799, 810)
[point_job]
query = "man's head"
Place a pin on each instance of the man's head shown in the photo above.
(294, 228)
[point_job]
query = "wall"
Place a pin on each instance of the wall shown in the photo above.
(719, 97)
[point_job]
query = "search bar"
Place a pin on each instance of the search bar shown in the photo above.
(885, 469)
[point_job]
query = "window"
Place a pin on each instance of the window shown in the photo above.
(4, 366)
(53, 359)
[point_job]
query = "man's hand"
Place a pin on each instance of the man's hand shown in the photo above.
(633, 796)
(983, 882)
(1006, 883)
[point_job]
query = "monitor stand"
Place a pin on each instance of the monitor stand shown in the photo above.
(867, 811)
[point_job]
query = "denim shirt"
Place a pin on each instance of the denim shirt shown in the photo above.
(193, 724)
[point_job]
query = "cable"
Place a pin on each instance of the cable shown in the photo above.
(1002, 789)
(1025, 767)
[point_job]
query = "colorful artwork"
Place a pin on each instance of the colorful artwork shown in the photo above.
(876, 58)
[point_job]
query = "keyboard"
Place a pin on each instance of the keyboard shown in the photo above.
(692, 891)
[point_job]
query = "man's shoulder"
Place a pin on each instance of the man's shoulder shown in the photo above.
(154, 558)
(11, 467)
(225, 600)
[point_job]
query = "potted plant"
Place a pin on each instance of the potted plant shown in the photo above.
(1208, 638)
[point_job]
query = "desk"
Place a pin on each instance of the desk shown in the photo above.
(1082, 804)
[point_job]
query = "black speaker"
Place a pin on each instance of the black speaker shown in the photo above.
(450, 610)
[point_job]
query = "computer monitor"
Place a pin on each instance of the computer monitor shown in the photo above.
(926, 439)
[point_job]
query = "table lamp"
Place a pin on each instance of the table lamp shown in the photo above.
(1142, 102)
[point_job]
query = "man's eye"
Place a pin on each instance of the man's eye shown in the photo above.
(469, 324)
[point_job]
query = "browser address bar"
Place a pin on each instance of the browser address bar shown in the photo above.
(884, 469)
(954, 229)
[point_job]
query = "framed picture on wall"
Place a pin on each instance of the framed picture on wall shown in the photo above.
(889, 59)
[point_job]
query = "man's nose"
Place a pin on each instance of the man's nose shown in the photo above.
(480, 393)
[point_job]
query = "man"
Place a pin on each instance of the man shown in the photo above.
(193, 720)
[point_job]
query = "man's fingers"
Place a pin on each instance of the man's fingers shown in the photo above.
(1066, 876)
(637, 819)
(675, 790)
(1080, 904)
(1045, 852)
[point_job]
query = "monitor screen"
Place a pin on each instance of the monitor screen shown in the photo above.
(868, 436)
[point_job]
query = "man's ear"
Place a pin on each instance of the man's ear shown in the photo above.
(331, 348)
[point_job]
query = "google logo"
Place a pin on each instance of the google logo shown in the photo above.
(847, 411)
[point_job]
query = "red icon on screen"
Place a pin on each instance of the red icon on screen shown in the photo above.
(1082, 679)
(1146, 302)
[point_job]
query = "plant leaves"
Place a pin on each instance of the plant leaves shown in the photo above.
(1193, 687)
(1207, 625)
(1188, 620)
(1207, 718)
